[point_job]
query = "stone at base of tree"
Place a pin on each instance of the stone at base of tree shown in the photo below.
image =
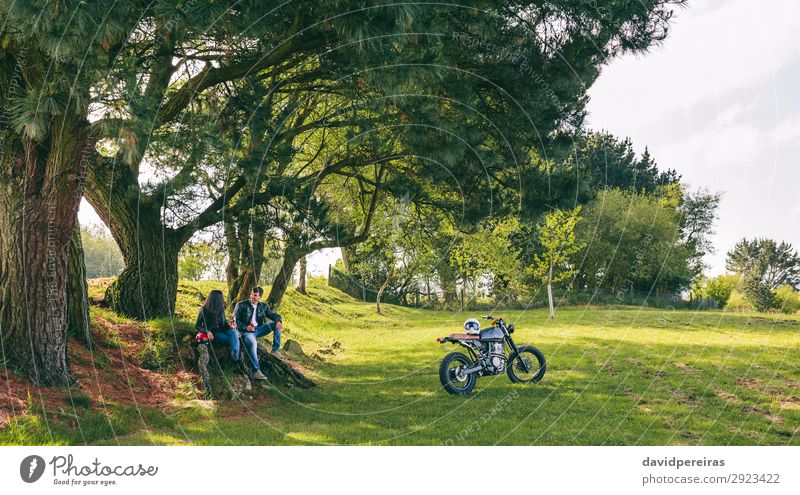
(332, 345)
(329, 348)
(293, 348)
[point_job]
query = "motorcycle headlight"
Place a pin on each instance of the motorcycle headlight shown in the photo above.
(511, 328)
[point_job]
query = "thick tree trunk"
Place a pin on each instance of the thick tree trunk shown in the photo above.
(245, 283)
(77, 291)
(301, 278)
(284, 276)
(234, 254)
(41, 187)
(245, 257)
(257, 252)
(148, 285)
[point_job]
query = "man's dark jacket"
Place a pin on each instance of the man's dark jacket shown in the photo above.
(243, 314)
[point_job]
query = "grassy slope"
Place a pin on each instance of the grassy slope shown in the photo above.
(617, 376)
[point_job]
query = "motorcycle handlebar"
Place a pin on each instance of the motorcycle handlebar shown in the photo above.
(499, 320)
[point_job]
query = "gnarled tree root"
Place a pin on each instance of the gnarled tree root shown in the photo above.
(278, 371)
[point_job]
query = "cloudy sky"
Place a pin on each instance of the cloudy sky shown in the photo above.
(719, 101)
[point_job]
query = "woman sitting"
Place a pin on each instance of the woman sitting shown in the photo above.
(213, 325)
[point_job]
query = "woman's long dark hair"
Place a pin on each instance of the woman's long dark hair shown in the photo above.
(215, 304)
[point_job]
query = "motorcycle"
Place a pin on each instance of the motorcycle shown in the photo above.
(487, 356)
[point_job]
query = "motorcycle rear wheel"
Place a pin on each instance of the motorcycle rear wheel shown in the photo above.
(452, 381)
(533, 357)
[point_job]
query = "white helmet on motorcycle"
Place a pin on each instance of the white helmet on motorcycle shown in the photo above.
(472, 326)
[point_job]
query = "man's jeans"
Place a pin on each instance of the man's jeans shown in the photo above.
(229, 338)
(250, 340)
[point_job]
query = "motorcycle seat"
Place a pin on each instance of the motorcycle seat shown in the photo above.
(464, 336)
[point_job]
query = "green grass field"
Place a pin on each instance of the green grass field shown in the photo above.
(616, 376)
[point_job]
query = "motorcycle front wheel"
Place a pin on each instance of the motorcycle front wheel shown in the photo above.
(533, 369)
(451, 375)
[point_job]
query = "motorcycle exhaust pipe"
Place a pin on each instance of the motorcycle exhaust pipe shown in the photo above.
(473, 369)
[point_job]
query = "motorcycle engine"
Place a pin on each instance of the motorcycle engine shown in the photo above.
(495, 357)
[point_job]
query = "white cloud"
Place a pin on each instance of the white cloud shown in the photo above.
(706, 157)
(738, 45)
(732, 114)
(786, 130)
(717, 104)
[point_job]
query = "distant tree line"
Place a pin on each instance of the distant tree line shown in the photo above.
(100, 253)
(632, 229)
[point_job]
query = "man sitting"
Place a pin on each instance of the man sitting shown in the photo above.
(250, 318)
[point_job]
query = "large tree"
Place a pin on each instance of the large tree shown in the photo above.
(772, 263)
(130, 74)
(764, 265)
(365, 59)
(52, 55)
(632, 242)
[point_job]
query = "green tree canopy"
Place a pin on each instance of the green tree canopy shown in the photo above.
(480, 82)
(764, 265)
(606, 162)
(632, 241)
(765, 260)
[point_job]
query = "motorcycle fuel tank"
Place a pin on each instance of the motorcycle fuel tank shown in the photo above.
(492, 334)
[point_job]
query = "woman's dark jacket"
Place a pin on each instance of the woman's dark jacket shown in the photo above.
(206, 322)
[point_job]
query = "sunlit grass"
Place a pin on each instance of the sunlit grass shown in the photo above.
(616, 376)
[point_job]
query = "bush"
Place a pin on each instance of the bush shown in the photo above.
(787, 300)
(738, 302)
(158, 349)
(720, 288)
